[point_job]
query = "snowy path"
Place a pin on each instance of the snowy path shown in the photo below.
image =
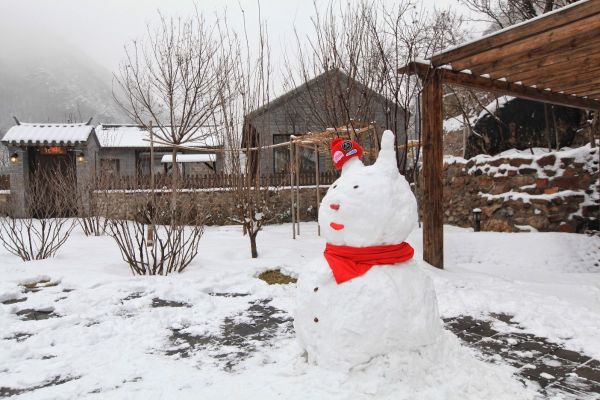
(101, 333)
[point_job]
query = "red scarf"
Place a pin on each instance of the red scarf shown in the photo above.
(348, 262)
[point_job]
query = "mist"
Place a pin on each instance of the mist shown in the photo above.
(57, 58)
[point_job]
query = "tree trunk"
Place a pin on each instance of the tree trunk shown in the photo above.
(253, 244)
(547, 126)
(555, 126)
(174, 183)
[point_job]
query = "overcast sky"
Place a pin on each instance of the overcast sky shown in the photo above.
(102, 27)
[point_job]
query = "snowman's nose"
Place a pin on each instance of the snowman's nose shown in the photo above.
(334, 206)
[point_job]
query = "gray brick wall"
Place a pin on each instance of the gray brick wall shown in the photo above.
(18, 185)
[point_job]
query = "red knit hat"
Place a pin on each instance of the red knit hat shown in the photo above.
(342, 150)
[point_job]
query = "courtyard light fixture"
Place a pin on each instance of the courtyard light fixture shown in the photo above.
(80, 157)
(477, 219)
(14, 158)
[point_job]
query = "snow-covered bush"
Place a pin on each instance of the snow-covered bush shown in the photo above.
(44, 225)
(161, 238)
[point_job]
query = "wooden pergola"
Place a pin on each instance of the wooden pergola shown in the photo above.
(554, 58)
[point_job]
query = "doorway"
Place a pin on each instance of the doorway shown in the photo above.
(52, 182)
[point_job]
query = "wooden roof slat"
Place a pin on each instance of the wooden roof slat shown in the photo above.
(544, 23)
(557, 49)
(588, 28)
(587, 74)
(557, 61)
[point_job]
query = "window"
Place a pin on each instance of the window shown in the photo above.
(281, 156)
(110, 166)
(143, 163)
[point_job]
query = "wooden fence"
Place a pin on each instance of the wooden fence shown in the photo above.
(208, 181)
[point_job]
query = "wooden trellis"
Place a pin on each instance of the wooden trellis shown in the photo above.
(320, 142)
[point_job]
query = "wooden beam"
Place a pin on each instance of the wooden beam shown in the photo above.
(501, 87)
(562, 35)
(525, 92)
(537, 26)
(578, 88)
(433, 189)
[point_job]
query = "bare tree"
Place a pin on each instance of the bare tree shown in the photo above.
(47, 223)
(174, 78)
(368, 43)
(403, 33)
(247, 89)
(503, 13)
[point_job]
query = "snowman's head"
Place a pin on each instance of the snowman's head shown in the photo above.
(369, 206)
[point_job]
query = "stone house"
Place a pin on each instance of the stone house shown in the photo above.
(331, 99)
(125, 151)
(86, 150)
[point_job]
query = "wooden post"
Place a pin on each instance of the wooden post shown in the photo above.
(296, 152)
(292, 209)
(318, 173)
(150, 240)
(432, 142)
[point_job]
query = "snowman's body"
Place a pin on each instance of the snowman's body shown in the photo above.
(391, 307)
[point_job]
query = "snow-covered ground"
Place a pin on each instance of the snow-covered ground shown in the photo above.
(109, 342)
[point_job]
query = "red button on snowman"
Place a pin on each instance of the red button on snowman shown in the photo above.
(365, 297)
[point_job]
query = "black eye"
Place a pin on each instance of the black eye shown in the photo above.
(334, 186)
(355, 186)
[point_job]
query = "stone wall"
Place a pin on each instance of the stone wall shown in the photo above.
(556, 191)
(218, 205)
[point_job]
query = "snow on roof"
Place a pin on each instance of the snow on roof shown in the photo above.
(185, 158)
(28, 133)
(122, 136)
(494, 105)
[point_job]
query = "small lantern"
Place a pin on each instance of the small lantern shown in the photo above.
(477, 219)
(14, 158)
(80, 157)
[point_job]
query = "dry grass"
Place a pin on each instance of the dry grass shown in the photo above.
(276, 277)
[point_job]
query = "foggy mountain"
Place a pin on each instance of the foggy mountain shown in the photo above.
(51, 81)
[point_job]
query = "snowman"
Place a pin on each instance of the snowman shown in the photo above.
(365, 297)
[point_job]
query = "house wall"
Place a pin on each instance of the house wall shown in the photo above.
(19, 176)
(19, 179)
(128, 161)
(296, 115)
(85, 171)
